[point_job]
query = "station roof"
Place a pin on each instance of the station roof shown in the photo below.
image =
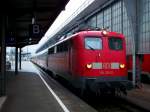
(79, 18)
(19, 15)
(94, 7)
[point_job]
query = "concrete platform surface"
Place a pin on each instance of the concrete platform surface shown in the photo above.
(26, 92)
(2, 100)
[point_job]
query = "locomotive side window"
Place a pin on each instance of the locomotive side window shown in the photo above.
(93, 43)
(115, 43)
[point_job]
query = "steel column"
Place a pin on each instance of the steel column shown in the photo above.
(20, 58)
(3, 57)
(16, 61)
(132, 13)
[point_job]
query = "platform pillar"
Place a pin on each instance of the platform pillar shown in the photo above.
(20, 58)
(16, 61)
(132, 8)
(2, 56)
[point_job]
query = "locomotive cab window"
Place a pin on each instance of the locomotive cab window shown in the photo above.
(93, 43)
(115, 43)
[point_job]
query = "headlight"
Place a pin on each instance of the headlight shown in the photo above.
(104, 32)
(122, 65)
(89, 66)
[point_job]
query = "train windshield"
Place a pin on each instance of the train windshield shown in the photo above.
(93, 43)
(115, 43)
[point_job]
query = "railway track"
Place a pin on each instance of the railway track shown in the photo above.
(102, 103)
(113, 104)
(107, 103)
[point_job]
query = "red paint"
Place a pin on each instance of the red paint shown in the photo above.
(145, 63)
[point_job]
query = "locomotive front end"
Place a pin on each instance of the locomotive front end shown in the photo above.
(105, 62)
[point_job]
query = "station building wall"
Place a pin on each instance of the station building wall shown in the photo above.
(115, 17)
(144, 29)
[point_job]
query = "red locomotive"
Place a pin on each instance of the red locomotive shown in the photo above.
(94, 60)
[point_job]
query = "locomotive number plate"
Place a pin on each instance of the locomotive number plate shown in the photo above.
(114, 65)
(106, 72)
(97, 65)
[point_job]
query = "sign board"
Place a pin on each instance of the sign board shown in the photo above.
(34, 31)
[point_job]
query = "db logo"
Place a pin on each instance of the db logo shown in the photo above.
(106, 65)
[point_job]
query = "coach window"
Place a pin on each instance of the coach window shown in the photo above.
(55, 49)
(65, 46)
(60, 47)
(93, 43)
(115, 43)
(51, 50)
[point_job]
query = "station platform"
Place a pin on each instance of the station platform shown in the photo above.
(140, 96)
(27, 92)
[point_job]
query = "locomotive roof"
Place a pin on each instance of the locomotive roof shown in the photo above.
(88, 32)
(82, 33)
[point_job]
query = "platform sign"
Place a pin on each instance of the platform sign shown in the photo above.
(35, 31)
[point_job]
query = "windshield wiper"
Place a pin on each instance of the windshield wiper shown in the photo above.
(90, 47)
